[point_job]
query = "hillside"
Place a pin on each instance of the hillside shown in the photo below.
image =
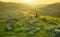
(49, 10)
(22, 20)
(52, 9)
(13, 10)
(13, 7)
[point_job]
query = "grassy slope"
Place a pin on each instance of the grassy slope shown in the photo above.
(46, 22)
(43, 24)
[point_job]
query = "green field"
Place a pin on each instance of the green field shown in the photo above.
(41, 26)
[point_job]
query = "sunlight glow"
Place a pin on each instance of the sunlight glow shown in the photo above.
(28, 1)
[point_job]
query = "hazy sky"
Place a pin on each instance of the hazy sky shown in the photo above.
(35, 1)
